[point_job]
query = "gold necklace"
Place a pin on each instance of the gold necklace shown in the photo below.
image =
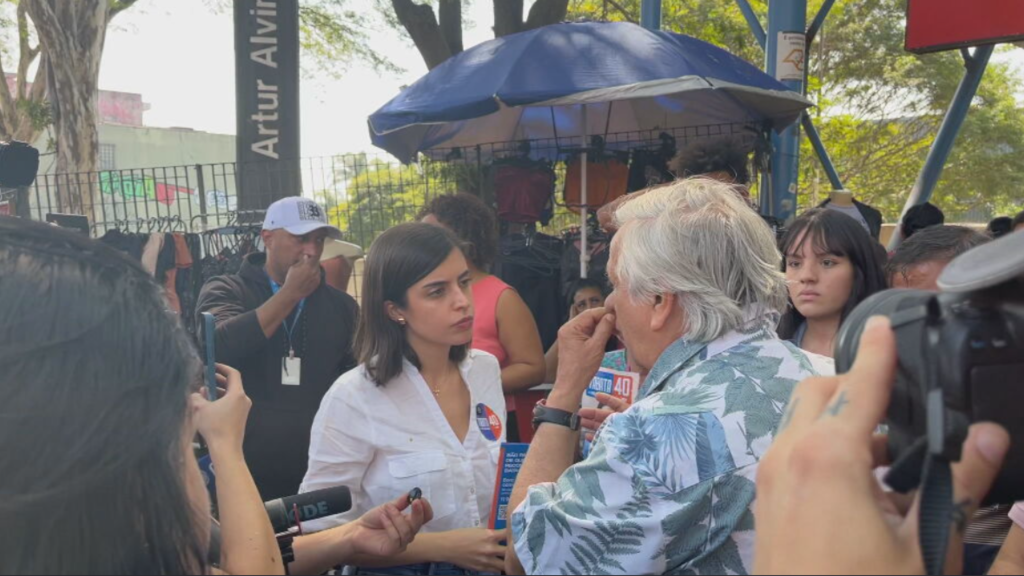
(436, 389)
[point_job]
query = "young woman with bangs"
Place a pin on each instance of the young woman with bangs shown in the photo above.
(831, 266)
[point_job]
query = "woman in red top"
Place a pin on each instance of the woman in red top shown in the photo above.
(504, 325)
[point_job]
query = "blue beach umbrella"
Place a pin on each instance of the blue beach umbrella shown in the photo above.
(578, 79)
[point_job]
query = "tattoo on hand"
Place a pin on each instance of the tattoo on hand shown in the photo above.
(788, 417)
(960, 514)
(841, 403)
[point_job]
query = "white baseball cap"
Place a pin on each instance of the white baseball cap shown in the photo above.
(299, 216)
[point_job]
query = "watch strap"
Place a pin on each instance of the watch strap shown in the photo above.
(545, 415)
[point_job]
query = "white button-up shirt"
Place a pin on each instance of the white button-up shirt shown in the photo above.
(384, 441)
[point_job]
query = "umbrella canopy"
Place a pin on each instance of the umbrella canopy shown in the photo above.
(535, 84)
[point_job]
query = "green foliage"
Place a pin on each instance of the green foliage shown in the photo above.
(879, 107)
(378, 194)
(334, 34)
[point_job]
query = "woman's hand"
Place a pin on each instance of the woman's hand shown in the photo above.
(475, 549)
(385, 531)
(222, 423)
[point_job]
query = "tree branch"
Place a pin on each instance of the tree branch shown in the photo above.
(621, 10)
(508, 17)
(118, 6)
(450, 15)
(421, 24)
(8, 110)
(546, 12)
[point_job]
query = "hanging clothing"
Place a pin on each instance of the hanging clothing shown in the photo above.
(607, 180)
(130, 244)
(533, 267)
(151, 253)
(524, 191)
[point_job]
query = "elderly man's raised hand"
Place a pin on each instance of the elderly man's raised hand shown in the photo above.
(581, 347)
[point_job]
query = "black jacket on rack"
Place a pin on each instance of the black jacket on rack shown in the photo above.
(277, 434)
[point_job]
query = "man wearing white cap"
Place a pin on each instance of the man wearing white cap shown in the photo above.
(289, 333)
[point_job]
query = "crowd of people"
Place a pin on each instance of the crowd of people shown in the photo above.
(744, 450)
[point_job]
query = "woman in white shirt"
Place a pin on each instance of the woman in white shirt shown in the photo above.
(421, 411)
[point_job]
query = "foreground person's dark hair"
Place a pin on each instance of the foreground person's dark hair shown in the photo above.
(94, 380)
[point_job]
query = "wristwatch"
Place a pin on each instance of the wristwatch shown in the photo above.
(544, 415)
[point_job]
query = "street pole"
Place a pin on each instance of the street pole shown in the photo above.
(786, 57)
(976, 65)
(650, 14)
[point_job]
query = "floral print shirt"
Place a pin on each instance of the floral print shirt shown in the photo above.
(669, 485)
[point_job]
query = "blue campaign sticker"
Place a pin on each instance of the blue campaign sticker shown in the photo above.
(488, 422)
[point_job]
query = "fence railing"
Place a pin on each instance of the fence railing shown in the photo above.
(364, 194)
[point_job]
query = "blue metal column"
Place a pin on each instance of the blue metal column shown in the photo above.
(753, 22)
(650, 14)
(950, 129)
(778, 198)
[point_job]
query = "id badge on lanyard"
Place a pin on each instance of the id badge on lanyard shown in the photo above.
(291, 371)
(291, 365)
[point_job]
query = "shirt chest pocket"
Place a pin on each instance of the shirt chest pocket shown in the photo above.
(429, 471)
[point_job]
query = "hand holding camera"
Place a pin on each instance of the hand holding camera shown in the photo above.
(820, 469)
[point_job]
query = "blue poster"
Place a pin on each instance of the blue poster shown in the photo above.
(511, 461)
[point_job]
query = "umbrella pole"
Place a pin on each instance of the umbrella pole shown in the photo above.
(584, 212)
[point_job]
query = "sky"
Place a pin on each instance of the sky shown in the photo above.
(187, 73)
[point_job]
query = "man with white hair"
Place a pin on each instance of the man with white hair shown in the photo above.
(669, 484)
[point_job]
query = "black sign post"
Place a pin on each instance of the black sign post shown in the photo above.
(267, 92)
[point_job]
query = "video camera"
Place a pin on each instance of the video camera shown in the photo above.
(961, 361)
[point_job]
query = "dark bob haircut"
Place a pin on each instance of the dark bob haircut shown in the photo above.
(94, 382)
(832, 232)
(472, 221)
(397, 261)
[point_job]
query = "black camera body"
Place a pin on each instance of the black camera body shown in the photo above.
(19, 164)
(961, 358)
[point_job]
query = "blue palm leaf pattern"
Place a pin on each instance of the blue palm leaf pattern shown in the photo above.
(668, 485)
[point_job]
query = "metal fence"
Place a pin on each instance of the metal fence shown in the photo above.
(364, 194)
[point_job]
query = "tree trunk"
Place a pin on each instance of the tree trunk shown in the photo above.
(546, 12)
(421, 24)
(508, 17)
(17, 120)
(450, 14)
(72, 35)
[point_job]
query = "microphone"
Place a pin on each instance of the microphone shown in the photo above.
(312, 506)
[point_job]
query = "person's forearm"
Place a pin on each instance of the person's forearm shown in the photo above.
(275, 311)
(248, 545)
(551, 363)
(424, 549)
(521, 377)
(1011, 557)
(318, 553)
(550, 455)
